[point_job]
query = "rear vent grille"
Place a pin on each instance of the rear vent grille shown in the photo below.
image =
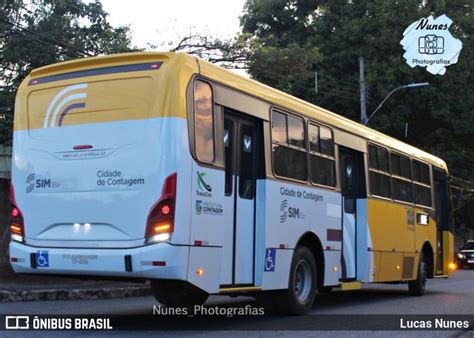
(408, 263)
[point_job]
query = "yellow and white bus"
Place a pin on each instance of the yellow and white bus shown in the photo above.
(163, 167)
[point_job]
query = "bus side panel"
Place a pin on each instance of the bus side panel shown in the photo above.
(204, 268)
(260, 218)
(448, 251)
(277, 277)
(423, 234)
(209, 213)
(332, 259)
(365, 255)
(293, 210)
(207, 205)
(393, 235)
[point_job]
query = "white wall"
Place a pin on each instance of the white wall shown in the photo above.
(5, 161)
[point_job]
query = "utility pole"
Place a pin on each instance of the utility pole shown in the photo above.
(363, 111)
(316, 82)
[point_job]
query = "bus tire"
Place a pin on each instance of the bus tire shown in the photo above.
(417, 287)
(302, 285)
(174, 293)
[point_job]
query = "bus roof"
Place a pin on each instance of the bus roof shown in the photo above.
(295, 104)
(243, 84)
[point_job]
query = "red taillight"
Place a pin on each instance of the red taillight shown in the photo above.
(165, 209)
(161, 217)
(17, 230)
(15, 212)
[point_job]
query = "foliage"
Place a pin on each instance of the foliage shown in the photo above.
(36, 33)
(290, 40)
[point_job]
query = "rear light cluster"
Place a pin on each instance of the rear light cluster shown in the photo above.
(17, 230)
(160, 222)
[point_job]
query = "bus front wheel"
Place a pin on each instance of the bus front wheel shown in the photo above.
(174, 293)
(417, 287)
(302, 286)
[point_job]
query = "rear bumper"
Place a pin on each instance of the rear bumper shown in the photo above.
(170, 261)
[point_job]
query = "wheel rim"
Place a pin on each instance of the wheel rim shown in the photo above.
(303, 281)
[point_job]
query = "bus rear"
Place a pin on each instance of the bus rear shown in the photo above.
(95, 178)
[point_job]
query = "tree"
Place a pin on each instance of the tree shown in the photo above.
(289, 40)
(37, 33)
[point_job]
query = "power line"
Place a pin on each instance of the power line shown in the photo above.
(310, 81)
(329, 84)
(277, 77)
(29, 36)
(339, 96)
(329, 93)
(334, 86)
(330, 66)
(343, 82)
(310, 88)
(324, 85)
(46, 39)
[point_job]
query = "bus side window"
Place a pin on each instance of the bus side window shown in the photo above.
(401, 178)
(379, 171)
(289, 146)
(247, 160)
(204, 121)
(422, 183)
(323, 163)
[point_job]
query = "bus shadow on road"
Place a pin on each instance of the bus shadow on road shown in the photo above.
(339, 298)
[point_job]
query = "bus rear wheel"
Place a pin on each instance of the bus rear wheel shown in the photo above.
(302, 286)
(173, 293)
(417, 287)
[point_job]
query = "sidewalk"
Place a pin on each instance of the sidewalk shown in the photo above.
(35, 288)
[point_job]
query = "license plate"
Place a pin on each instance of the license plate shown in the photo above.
(470, 261)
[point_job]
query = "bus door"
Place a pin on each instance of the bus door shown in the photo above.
(352, 188)
(444, 220)
(243, 153)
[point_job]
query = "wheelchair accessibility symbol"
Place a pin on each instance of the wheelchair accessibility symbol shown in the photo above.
(270, 260)
(42, 259)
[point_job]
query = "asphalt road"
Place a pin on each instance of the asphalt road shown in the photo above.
(443, 296)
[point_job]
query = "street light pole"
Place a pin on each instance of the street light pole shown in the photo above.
(410, 85)
(363, 111)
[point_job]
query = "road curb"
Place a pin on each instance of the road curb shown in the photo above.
(74, 294)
